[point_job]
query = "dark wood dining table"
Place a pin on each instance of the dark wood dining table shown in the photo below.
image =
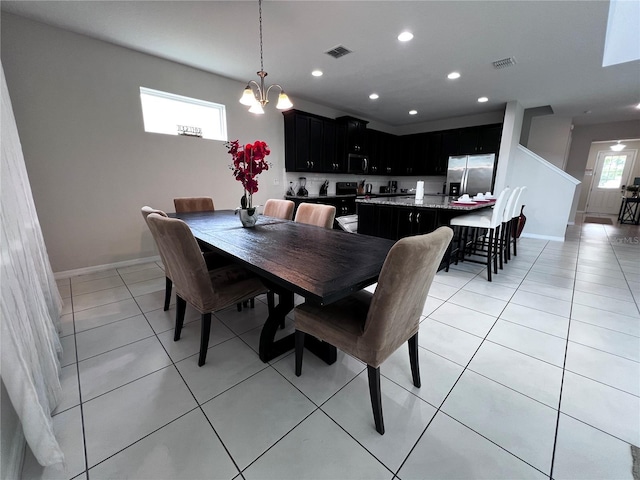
(321, 265)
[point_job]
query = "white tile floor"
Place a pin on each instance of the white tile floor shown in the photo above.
(533, 375)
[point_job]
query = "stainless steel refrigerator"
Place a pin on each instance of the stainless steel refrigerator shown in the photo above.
(470, 174)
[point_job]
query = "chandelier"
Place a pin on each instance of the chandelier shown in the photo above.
(255, 95)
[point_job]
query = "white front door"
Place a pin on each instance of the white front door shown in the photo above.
(612, 171)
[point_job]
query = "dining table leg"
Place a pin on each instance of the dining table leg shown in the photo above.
(271, 348)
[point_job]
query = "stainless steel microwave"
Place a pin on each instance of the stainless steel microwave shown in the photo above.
(357, 163)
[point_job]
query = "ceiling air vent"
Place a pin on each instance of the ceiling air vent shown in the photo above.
(338, 51)
(505, 62)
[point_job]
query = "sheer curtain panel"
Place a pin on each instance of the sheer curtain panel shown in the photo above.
(30, 301)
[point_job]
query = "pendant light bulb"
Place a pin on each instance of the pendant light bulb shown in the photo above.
(283, 102)
(248, 98)
(256, 108)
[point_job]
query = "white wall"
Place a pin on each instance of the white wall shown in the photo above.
(550, 137)
(582, 138)
(549, 196)
(597, 147)
(90, 163)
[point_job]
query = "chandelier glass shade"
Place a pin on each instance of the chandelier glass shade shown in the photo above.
(618, 147)
(256, 95)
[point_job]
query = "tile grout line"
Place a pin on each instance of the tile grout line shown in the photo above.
(564, 365)
(439, 408)
(81, 405)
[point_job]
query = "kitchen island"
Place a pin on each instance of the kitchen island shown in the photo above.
(398, 217)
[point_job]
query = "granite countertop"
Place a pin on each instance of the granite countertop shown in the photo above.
(428, 202)
(316, 196)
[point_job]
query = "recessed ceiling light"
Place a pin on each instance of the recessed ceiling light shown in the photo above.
(413, 112)
(638, 105)
(374, 96)
(483, 99)
(453, 75)
(317, 73)
(405, 36)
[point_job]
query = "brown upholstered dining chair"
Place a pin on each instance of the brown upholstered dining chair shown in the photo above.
(316, 214)
(146, 210)
(193, 204)
(371, 327)
(206, 290)
(279, 209)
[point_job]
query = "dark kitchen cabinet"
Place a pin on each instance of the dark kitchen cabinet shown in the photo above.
(414, 221)
(489, 138)
(394, 222)
(366, 219)
(356, 134)
(313, 143)
(449, 144)
(435, 163)
(482, 139)
(318, 144)
(381, 149)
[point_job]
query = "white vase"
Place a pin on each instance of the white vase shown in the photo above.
(248, 216)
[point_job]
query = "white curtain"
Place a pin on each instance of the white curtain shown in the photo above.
(30, 301)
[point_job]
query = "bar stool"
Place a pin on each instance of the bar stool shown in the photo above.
(515, 219)
(476, 221)
(507, 217)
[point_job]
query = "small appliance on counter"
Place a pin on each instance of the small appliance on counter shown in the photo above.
(302, 191)
(291, 191)
(323, 188)
(393, 186)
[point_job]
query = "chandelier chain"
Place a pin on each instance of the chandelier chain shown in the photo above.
(260, 17)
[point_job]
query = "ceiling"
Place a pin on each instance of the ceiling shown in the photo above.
(558, 47)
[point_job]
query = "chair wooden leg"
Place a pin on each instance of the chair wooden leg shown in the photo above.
(498, 248)
(299, 337)
(376, 397)
(239, 306)
(204, 337)
(181, 307)
(413, 359)
(514, 229)
(489, 254)
(167, 293)
(252, 302)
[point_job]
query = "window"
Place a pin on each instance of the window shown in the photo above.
(612, 169)
(177, 115)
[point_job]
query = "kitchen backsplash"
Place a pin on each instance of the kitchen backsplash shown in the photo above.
(315, 180)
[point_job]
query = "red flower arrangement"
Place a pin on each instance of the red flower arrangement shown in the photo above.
(248, 162)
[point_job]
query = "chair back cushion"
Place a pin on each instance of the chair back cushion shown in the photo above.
(282, 209)
(511, 205)
(185, 261)
(498, 209)
(519, 202)
(316, 214)
(193, 204)
(146, 211)
(403, 285)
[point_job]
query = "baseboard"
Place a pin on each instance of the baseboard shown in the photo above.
(99, 268)
(543, 237)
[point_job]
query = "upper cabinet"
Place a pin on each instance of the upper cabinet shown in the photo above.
(313, 143)
(482, 139)
(318, 144)
(356, 134)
